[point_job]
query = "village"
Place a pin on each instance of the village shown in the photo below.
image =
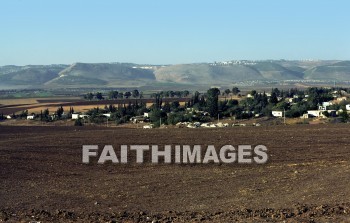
(211, 109)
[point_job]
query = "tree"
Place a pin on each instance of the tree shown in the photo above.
(59, 112)
(185, 93)
(175, 105)
(113, 94)
(212, 101)
(156, 115)
(127, 94)
(344, 116)
(24, 114)
(78, 122)
(227, 91)
(166, 107)
(135, 93)
(45, 115)
(235, 90)
(99, 96)
(195, 97)
(46, 112)
(112, 108)
(89, 96)
(174, 118)
(273, 98)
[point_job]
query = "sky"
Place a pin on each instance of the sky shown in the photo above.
(171, 32)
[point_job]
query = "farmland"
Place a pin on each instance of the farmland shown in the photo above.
(35, 105)
(306, 177)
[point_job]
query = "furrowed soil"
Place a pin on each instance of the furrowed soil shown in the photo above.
(306, 178)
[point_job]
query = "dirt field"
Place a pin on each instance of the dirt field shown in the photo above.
(33, 105)
(305, 180)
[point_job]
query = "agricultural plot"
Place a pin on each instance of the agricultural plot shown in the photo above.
(305, 179)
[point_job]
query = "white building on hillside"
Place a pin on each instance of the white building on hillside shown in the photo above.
(315, 113)
(30, 117)
(348, 107)
(277, 113)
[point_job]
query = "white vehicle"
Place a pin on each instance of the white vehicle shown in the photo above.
(148, 126)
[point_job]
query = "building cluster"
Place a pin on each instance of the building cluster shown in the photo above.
(323, 110)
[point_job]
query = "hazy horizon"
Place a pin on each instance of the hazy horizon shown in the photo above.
(39, 32)
(159, 64)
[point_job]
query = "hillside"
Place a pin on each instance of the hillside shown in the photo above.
(29, 75)
(204, 74)
(337, 71)
(274, 71)
(101, 74)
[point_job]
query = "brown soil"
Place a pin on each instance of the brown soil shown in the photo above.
(9, 109)
(305, 180)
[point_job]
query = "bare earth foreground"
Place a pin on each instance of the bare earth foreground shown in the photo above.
(306, 179)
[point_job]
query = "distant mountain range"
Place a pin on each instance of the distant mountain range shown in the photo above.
(135, 75)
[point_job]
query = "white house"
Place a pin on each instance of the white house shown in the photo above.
(277, 113)
(314, 113)
(327, 103)
(30, 117)
(146, 114)
(108, 115)
(75, 116)
(348, 107)
(322, 108)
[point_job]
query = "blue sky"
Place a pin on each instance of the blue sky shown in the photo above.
(165, 32)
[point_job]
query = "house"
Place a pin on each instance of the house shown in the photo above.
(277, 113)
(137, 119)
(30, 117)
(75, 116)
(322, 108)
(315, 113)
(327, 103)
(348, 107)
(108, 115)
(146, 114)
